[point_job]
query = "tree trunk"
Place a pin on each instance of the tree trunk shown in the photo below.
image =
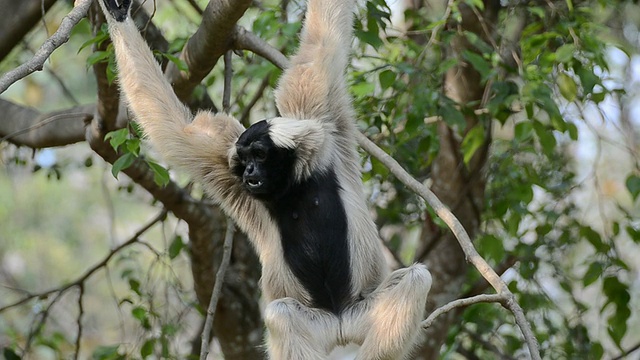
(459, 186)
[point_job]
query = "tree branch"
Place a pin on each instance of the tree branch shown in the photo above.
(207, 45)
(246, 40)
(217, 289)
(80, 280)
(25, 15)
(60, 37)
(483, 298)
(461, 235)
(28, 127)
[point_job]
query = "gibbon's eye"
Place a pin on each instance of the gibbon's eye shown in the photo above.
(260, 154)
(242, 159)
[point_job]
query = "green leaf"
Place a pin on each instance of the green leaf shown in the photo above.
(617, 293)
(567, 87)
(135, 286)
(112, 70)
(633, 185)
(369, 37)
(176, 246)
(478, 42)
(362, 89)
(147, 348)
(492, 247)
(546, 138)
(633, 233)
(97, 57)
(106, 353)
(618, 325)
(98, 39)
(386, 78)
(122, 163)
(452, 116)
(593, 273)
(588, 79)
(523, 131)
(117, 137)
(160, 173)
(139, 313)
(565, 53)
(595, 239)
(573, 131)
(133, 146)
(596, 351)
(180, 64)
(9, 354)
(475, 3)
(478, 63)
(472, 142)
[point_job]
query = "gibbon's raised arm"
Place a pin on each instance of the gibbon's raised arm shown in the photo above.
(149, 95)
(198, 144)
(314, 87)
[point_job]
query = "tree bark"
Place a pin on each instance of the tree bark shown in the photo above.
(459, 186)
(20, 17)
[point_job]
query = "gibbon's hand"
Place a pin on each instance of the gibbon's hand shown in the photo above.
(118, 8)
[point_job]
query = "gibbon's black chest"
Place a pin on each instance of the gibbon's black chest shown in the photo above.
(313, 229)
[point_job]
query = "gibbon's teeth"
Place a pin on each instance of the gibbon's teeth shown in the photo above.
(254, 183)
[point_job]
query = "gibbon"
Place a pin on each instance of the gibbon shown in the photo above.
(293, 185)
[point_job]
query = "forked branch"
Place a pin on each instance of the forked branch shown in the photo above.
(507, 298)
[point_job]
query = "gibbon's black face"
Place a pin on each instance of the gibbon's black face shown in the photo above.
(266, 170)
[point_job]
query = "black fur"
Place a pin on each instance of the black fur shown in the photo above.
(119, 9)
(310, 216)
(313, 229)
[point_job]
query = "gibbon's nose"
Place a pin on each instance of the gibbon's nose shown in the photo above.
(249, 170)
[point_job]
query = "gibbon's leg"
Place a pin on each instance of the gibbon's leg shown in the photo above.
(387, 322)
(299, 332)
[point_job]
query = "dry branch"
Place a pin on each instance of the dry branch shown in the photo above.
(483, 298)
(92, 270)
(461, 235)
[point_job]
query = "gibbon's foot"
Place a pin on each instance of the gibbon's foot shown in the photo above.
(118, 8)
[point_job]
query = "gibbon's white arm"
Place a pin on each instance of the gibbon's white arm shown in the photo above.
(314, 86)
(200, 144)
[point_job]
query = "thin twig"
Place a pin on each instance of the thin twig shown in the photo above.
(627, 353)
(217, 289)
(228, 74)
(244, 118)
(60, 37)
(79, 321)
(93, 269)
(483, 298)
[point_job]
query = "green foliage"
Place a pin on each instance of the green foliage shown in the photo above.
(107, 353)
(532, 219)
(126, 141)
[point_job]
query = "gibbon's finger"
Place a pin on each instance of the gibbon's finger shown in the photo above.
(119, 9)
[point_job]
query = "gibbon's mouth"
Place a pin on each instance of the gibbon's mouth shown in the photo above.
(254, 184)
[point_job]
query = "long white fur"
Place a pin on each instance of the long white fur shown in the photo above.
(318, 121)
